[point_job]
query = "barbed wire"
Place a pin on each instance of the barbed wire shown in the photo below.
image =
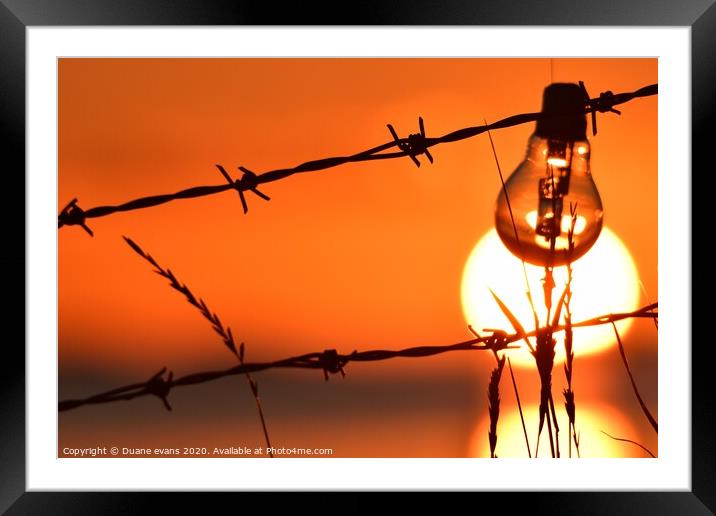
(330, 361)
(412, 146)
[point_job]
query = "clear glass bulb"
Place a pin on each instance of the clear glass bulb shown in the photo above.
(533, 215)
(554, 175)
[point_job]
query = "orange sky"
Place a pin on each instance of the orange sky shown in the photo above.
(362, 256)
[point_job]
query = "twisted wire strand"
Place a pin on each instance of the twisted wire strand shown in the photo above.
(411, 146)
(330, 359)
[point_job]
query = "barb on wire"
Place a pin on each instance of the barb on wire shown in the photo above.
(317, 360)
(495, 342)
(73, 215)
(159, 387)
(247, 182)
(332, 363)
(414, 145)
(604, 103)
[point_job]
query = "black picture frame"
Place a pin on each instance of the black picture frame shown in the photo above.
(16, 15)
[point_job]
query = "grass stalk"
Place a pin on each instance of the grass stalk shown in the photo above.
(224, 332)
(493, 403)
(514, 228)
(643, 406)
(544, 357)
(519, 406)
(629, 441)
(569, 403)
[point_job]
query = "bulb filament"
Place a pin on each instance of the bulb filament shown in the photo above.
(553, 188)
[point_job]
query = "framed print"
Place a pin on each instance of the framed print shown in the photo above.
(358, 257)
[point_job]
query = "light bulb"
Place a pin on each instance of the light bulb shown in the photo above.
(554, 176)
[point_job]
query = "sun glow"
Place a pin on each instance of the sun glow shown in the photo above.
(605, 280)
(591, 421)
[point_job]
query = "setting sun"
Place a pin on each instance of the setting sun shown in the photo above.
(605, 281)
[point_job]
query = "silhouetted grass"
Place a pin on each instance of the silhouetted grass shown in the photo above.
(569, 403)
(225, 333)
(519, 406)
(644, 409)
(544, 358)
(629, 441)
(493, 403)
